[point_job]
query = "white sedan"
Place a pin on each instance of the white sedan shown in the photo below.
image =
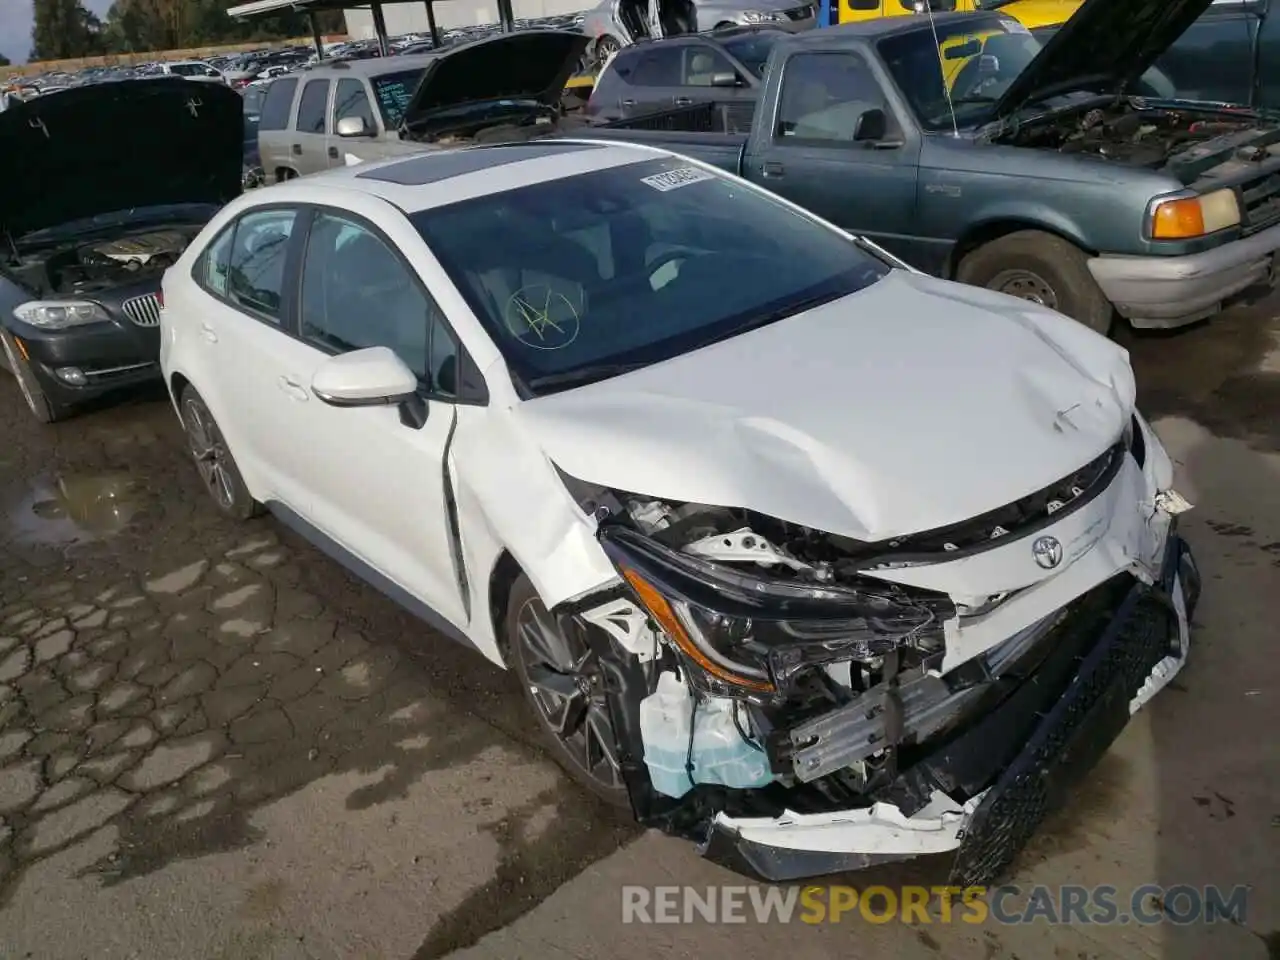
(795, 550)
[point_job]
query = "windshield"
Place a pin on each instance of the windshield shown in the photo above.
(165, 213)
(752, 50)
(582, 278)
(393, 91)
(188, 69)
(979, 60)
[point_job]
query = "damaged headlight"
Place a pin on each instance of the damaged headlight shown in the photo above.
(748, 635)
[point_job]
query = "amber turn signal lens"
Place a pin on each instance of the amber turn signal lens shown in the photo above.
(1178, 220)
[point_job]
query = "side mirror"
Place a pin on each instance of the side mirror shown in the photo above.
(373, 377)
(872, 126)
(353, 127)
(727, 79)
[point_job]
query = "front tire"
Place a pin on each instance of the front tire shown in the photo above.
(217, 468)
(41, 406)
(1037, 266)
(564, 687)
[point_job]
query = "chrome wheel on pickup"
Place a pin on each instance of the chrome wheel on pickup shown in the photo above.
(565, 687)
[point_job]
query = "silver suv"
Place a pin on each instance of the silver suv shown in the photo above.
(307, 116)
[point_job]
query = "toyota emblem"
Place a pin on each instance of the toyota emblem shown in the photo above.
(1047, 551)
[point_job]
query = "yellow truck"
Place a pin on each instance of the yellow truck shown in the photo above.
(1031, 13)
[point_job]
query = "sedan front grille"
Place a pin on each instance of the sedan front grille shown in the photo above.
(144, 310)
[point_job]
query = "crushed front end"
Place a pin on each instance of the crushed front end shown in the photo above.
(800, 703)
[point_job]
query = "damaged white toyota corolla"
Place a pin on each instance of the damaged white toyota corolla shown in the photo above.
(798, 552)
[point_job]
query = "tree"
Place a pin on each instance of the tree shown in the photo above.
(63, 30)
(4, 61)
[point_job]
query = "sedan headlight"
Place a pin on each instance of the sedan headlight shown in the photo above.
(1187, 217)
(59, 314)
(763, 16)
(748, 635)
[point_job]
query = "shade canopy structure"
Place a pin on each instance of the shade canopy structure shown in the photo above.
(258, 8)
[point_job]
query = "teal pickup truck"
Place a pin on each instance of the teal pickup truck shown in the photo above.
(963, 146)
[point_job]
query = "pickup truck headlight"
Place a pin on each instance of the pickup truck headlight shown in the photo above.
(59, 314)
(746, 635)
(1183, 218)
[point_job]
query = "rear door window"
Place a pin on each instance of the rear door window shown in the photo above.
(277, 104)
(311, 111)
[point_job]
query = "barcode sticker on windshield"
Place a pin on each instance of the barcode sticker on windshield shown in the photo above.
(679, 177)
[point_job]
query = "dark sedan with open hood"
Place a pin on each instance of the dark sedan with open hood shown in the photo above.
(90, 223)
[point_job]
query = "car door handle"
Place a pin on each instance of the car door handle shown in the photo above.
(333, 153)
(628, 103)
(297, 149)
(772, 168)
(293, 389)
(208, 333)
(683, 101)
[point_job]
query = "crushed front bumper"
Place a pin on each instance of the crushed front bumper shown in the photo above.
(1013, 766)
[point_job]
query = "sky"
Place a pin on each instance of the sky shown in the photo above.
(15, 25)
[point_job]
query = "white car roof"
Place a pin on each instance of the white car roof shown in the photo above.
(440, 177)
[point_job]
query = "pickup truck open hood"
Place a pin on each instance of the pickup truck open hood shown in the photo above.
(525, 65)
(908, 406)
(79, 152)
(1105, 46)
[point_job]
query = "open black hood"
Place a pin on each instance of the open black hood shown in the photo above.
(1105, 46)
(105, 147)
(525, 65)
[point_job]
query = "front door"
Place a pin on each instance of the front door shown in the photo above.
(309, 144)
(812, 156)
(376, 485)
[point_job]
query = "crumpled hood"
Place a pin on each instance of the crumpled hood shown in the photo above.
(1104, 46)
(105, 147)
(913, 404)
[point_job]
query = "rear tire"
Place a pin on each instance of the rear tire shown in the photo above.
(606, 47)
(217, 468)
(42, 408)
(564, 689)
(1043, 268)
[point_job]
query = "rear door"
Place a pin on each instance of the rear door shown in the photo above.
(653, 79)
(309, 146)
(274, 122)
(810, 155)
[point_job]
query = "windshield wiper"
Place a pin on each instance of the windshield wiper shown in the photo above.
(973, 98)
(584, 375)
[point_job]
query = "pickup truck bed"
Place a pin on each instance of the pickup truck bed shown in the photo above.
(715, 133)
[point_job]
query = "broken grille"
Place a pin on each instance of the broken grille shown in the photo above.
(1020, 518)
(144, 310)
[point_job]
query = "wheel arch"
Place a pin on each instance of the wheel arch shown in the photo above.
(995, 227)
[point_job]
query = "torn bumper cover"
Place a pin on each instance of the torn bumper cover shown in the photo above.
(1112, 651)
